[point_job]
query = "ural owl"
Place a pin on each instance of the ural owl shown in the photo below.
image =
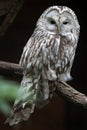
(46, 59)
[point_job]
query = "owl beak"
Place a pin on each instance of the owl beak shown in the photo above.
(58, 29)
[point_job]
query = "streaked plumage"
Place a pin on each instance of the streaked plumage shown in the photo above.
(47, 58)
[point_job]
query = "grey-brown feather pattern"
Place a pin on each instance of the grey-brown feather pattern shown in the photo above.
(47, 57)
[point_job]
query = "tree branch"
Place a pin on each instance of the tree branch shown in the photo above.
(72, 95)
(62, 89)
(10, 9)
(10, 68)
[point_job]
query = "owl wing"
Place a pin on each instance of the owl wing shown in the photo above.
(25, 104)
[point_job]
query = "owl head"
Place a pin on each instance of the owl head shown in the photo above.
(58, 20)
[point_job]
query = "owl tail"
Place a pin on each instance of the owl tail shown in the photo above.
(24, 104)
(20, 115)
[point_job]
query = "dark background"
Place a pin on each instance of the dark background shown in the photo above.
(58, 114)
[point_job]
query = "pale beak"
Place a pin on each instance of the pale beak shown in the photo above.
(58, 27)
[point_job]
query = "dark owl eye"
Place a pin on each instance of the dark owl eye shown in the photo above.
(51, 21)
(65, 22)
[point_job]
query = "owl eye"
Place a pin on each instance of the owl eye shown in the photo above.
(52, 21)
(65, 22)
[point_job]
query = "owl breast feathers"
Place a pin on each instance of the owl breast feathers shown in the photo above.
(47, 57)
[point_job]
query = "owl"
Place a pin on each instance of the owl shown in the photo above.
(46, 59)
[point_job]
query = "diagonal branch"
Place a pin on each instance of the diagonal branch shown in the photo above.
(63, 89)
(10, 8)
(72, 95)
(10, 68)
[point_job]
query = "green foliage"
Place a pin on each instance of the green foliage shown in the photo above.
(8, 92)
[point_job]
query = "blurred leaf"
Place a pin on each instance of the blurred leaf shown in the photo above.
(8, 89)
(5, 108)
